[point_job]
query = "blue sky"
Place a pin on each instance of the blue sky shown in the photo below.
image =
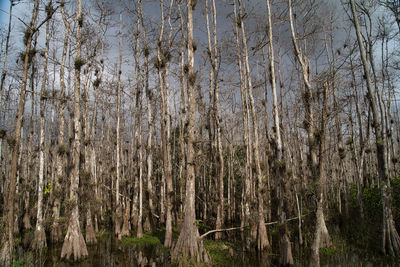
(4, 5)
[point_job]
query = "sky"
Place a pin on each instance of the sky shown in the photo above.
(4, 5)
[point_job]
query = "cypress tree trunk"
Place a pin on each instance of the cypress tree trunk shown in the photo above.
(74, 244)
(189, 244)
(262, 238)
(118, 214)
(55, 233)
(39, 240)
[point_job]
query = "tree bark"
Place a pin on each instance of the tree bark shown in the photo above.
(262, 237)
(246, 194)
(189, 244)
(74, 244)
(286, 258)
(213, 55)
(118, 214)
(55, 233)
(39, 240)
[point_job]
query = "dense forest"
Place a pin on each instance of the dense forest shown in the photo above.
(272, 124)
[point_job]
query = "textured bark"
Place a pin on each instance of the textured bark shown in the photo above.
(286, 258)
(74, 244)
(7, 248)
(26, 221)
(189, 244)
(321, 237)
(126, 226)
(89, 231)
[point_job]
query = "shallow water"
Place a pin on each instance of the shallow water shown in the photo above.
(109, 252)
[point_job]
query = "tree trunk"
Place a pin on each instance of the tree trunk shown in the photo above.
(39, 240)
(161, 65)
(118, 213)
(56, 234)
(286, 258)
(189, 244)
(74, 244)
(149, 95)
(262, 237)
(246, 194)
(213, 55)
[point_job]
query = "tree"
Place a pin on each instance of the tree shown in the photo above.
(189, 244)
(74, 244)
(39, 240)
(213, 55)
(262, 238)
(161, 65)
(56, 233)
(286, 250)
(321, 235)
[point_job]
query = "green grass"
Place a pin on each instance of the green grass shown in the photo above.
(146, 241)
(219, 252)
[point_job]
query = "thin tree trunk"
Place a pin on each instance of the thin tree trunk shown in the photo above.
(138, 134)
(262, 237)
(149, 95)
(39, 240)
(161, 65)
(118, 214)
